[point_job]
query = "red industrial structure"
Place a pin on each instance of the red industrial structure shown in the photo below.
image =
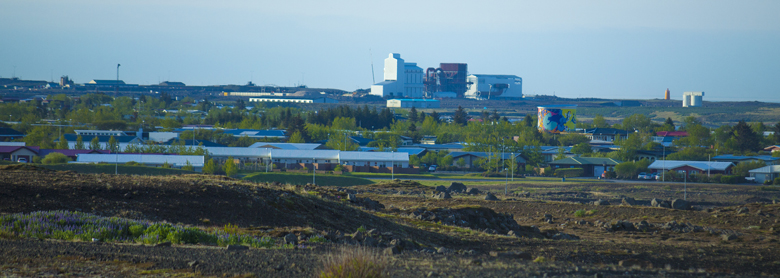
(449, 77)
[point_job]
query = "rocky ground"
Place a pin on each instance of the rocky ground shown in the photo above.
(578, 229)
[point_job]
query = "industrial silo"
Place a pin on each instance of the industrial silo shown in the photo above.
(557, 118)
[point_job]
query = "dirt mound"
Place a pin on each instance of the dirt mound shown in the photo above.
(477, 218)
(23, 167)
(397, 184)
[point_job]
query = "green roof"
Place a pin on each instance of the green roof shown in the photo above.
(586, 161)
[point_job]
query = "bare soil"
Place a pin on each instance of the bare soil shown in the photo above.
(673, 243)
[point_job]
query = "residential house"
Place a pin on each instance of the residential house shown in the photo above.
(9, 134)
(550, 152)
(591, 166)
(72, 154)
(768, 159)
(605, 134)
(428, 140)
(773, 148)
(766, 173)
(666, 138)
(471, 158)
(15, 153)
(691, 167)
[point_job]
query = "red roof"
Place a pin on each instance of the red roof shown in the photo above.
(672, 133)
(10, 149)
(70, 153)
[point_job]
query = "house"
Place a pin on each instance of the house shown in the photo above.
(155, 160)
(451, 147)
(651, 155)
(471, 158)
(14, 153)
(72, 154)
(766, 173)
(691, 167)
(605, 134)
(123, 141)
(9, 134)
(592, 166)
(428, 139)
(550, 152)
(406, 140)
(666, 138)
(773, 148)
(255, 133)
(419, 152)
(191, 142)
(768, 159)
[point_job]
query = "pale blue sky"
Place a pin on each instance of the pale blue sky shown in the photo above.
(609, 49)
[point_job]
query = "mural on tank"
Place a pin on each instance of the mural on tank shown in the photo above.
(557, 119)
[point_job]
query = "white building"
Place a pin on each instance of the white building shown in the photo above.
(417, 103)
(291, 156)
(692, 99)
(176, 161)
(489, 86)
(766, 173)
(400, 79)
(294, 100)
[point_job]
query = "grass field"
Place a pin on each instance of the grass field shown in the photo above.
(120, 169)
(301, 178)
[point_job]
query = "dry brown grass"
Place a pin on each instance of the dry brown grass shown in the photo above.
(354, 262)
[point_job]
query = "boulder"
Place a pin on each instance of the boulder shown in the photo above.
(441, 188)
(490, 197)
(392, 250)
(370, 242)
(472, 191)
(291, 239)
(442, 250)
(236, 247)
(442, 195)
(564, 236)
(351, 197)
(628, 201)
(726, 237)
(743, 210)
(457, 187)
(681, 204)
(601, 202)
(655, 203)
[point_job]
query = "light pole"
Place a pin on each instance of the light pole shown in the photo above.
(392, 163)
(503, 159)
(313, 170)
(663, 171)
(514, 163)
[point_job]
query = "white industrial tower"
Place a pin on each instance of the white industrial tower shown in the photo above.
(692, 99)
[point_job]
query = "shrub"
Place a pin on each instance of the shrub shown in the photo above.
(166, 165)
(569, 172)
(777, 181)
(339, 168)
(354, 262)
(579, 213)
(732, 179)
(55, 158)
(132, 163)
(318, 239)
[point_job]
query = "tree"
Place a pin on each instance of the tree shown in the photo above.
(445, 160)
(436, 117)
(413, 114)
(210, 167)
(669, 123)
(461, 162)
(626, 169)
(55, 158)
(599, 121)
(528, 121)
(296, 138)
(582, 148)
(628, 146)
(62, 144)
(79, 143)
(460, 116)
(694, 153)
(561, 154)
(747, 139)
(230, 167)
(636, 122)
(113, 145)
(742, 169)
(188, 167)
(572, 139)
(94, 144)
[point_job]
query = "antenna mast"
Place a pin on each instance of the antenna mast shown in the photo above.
(371, 56)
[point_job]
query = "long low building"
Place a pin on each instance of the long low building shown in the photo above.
(294, 156)
(294, 100)
(691, 167)
(417, 103)
(176, 161)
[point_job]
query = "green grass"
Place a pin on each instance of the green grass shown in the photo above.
(302, 178)
(109, 169)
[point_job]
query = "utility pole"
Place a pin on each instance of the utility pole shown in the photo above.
(392, 167)
(116, 86)
(313, 170)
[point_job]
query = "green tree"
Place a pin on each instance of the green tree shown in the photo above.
(582, 148)
(445, 160)
(113, 144)
(626, 169)
(599, 121)
(210, 167)
(628, 146)
(230, 167)
(460, 117)
(572, 139)
(296, 138)
(742, 169)
(413, 114)
(337, 142)
(94, 144)
(79, 143)
(188, 167)
(62, 144)
(528, 121)
(561, 154)
(461, 162)
(55, 158)
(747, 139)
(637, 122)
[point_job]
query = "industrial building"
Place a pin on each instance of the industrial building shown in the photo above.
(400, 79)
(416, 103)
(491, 86)
(449, 80)
(692, 99)
(294, 100)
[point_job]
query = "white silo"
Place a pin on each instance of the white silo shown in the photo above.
(692, 99)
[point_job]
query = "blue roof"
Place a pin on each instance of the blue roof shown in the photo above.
(416, 99)
(742, 157)
(102, 138)
(484, 154)
(255, 132)
(410, 151)
(190, 142)
(439, 146)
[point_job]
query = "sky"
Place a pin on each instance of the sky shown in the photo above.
(571, 48)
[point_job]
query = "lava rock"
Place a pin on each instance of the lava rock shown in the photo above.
(490, 197)
(725, 237)
(442, 195)
(681, 204)
(441, 188)
(564, 236)
(473, 191)
(601, 202)
(236, 247)
(457, 187)
(627, 201)
(392, 250)
(290, 239)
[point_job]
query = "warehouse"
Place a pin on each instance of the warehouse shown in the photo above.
(492, 86)
(294, 100)
(416, 103)
(156, 160)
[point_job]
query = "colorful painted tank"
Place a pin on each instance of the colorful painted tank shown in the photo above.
(557, 118)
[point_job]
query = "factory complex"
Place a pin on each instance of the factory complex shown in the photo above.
(449, 80)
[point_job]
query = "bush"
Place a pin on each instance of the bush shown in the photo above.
(339, 168)
(55, 158)
(732, 179)
(132, 163)
(611, 175)
(579, 213)
(569, 172)
(777, 181)
(354, 262)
